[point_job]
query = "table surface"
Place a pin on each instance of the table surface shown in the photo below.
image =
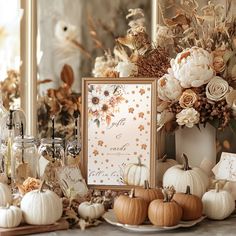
(205, 228)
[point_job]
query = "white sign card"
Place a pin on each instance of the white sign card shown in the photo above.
(226, 167)
(120, 127)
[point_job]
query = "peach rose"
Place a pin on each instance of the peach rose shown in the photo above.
(188, 98)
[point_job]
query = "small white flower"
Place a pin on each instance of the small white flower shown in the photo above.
(94, 101)
(188, 117)
(217, 88)
(193, 67)
(126, 68)
(168, 88)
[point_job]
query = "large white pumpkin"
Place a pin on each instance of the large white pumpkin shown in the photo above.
(5, 195)
(181, 176)
(218, 204)
(162, 165)
(41, 207)
(10, 216)
(136, 174)
(88, 210)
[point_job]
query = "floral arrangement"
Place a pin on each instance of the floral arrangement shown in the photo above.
(111, 96)
(197, 85)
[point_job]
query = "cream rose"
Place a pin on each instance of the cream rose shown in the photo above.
(188, 98)
(188, 117)
(168, 88)
(231, 101)
(217, 88)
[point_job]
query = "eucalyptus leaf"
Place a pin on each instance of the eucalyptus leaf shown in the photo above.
(228, 55)
(215, 123)
(232, 125)
(233, 71)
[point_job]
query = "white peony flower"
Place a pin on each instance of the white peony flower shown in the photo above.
(193, 67)
(168, 88)
(126, 68)
(217, 88)
(188, 117)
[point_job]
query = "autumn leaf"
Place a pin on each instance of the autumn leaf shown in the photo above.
(108, 119)
(67, 75)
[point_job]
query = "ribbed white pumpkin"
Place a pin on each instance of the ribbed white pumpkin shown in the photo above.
(218, 204)
(88, 210)
(136, 174)
(180, 176)
(162, 165)
(41, 207)
(10, 216)
(5, 195)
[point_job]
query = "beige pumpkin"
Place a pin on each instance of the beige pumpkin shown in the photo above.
(41, 207)
(218, 204)
(181, 176)
(5, 195)
(88, 210)
(162, 165)
(10, 216)
(136, 174)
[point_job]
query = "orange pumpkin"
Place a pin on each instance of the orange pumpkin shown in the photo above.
(191, 204)
(148, 194)
(130, 210)
(165, 212)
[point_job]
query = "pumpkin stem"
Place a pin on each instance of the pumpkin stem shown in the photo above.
(139, 161)
(217, 187)
(131, 195)
(168, 193)
(188, 190)
(146, 184)
(41, 186)
(185, 162)
(163, 159)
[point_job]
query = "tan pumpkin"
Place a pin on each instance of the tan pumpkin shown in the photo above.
(148, 194)
(130, 210)
(180, 176)
(165, 212)
(162, 165)
(136, 173)
(10, 216)
(5, 195)
(191, 204)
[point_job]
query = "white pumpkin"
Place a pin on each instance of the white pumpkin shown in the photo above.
(230, 186)
(41, 207)
(180, 176)
(218, 204)
(162, 165)
(88, 210)
(5, 195)
(136, 173)
(10, 216)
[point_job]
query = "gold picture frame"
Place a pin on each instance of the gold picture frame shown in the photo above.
(100, 126)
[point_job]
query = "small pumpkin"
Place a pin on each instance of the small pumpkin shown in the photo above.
(165, 212)
(130, 210)
(41, 207)
(148, 194)
(218, 204)
(162, 165)
(10, 216)
(88, 210)
(5, 195)
(191, 205)
(180, 176)
(136, 173)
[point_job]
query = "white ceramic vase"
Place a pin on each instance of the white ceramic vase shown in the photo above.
(198, 145)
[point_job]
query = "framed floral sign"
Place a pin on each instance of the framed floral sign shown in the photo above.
(119, 132)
